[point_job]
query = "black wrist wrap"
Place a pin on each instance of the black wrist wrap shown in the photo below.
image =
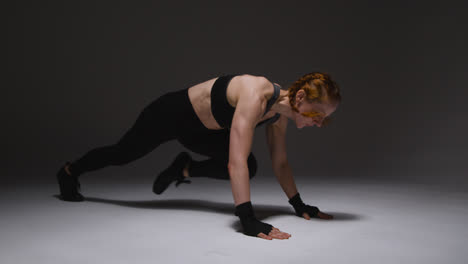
(300, 207)
(251, 225)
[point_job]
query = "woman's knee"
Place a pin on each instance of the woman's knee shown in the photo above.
(252, 163)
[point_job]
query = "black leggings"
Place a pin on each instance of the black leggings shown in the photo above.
(169, 117)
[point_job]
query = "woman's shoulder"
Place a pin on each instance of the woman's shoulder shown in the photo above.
(250, 79)
(254, 84)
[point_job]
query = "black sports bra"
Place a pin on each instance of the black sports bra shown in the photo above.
(223, 111)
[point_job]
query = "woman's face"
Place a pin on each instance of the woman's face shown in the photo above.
(311, 114)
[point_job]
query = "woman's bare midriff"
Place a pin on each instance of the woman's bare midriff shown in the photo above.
(200, 98)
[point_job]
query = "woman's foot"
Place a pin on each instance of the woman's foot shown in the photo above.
(177, 171)
(69, 185)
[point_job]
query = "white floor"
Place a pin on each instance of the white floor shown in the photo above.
(194, 223)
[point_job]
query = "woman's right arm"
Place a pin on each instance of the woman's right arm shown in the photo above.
(249, 110)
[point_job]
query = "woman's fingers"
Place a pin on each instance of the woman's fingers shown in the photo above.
(320, 215)
(264, 236)
(275, 233)
(324, 215)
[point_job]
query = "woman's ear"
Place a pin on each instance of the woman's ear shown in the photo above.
(300, 96)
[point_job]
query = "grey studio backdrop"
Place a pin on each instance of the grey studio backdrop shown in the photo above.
(79, 73)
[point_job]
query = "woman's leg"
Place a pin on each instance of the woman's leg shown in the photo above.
(214, 144)
(196, 137)
(152, 127)
(215, 168)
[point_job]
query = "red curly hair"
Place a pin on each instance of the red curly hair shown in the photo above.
(319, 87)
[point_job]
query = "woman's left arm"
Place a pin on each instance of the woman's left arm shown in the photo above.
(276, 140)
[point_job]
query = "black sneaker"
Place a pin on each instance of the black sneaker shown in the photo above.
(173, 173)
(69, 186)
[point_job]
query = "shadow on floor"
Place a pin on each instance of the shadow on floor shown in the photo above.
(262, 212)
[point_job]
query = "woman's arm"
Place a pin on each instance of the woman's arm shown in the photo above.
(249, 110)
(276, 140)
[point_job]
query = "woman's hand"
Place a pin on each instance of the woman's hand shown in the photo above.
(320, 215)
(275, 233)
(305, 210)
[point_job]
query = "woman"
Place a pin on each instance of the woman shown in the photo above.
(217, 118)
